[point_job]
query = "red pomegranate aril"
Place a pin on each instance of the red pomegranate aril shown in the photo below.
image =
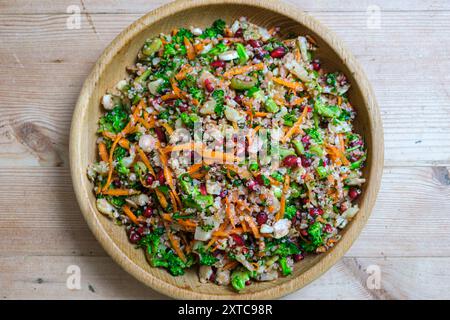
(183, 107)
(316, 65)
(238, 240)
(252, 185)
(149, 180)
(278, 52)
(315, 212)
(353, 193)
(248, 282)
(238, 99)
(291, 161)
(254, 43)
(261, 218)
(203, 189)
(239, 33)
(148, 212)
(223, 193)
(134, 237)
(306, 141)
(218, 64)
(161, 178)
(328, 228)
(304, 232)
(160, 134)
(297, 257)
(259, 179)
(305, 161)
(209, 86)
(140, 231)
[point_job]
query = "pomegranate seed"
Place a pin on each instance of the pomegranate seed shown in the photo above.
(209, 86)
(278, 52)
(261, 218)
(254, 43)
(297, 257)
(238, 240)
(218, 64)
(252, 185)
(203, 189)
(328, 228)
(239, 33)
(315, 212)
(244, 250)
(304, 232)
(259, 179)
(140, 231)
(248, 282)
(260, 53)
(238, 99)
(183, 107)
(148, 212)
(160, 134)
(305, 161)
(223, 193)
(353, 193)
(134, 237)
(291, 161)
(305, 200)
(161, 178)
(306, 141)
(316, 65)
(149, 180)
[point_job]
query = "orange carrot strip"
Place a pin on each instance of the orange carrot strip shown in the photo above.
(176, 246)
(130, 214)
(280, 213)
(103, 152)
(253, 226)
(145, 160)
(110, 160)
(183, 72)
(297, 86)
(230, 265)
(167, 127)
(228, 212)
(169, 96)
(296, 126)
(119, 192)
(162, 200)
(189, 49)
(240, 70)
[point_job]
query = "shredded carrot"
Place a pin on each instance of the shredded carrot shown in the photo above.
(146, 161)
(339, 100)
(130, 214)
(173, 201)
(182, 222)
(290, 84)
(176, 246)
(162, 200)
(119, 192)
(228, 212)
(198, 175)
(337, 153)
(227, 233)
(195, 167)
(201, 148)
(199, 47)
(183, 72)
(298, 57)
(103, 152)
(137, 110)
(253, 226)
(169, 96)
(297, 101)
(296, 126)
(110, 162)
(261, 114)
(341, 142)
(167, 127)
(244, 69)
(280, 213)
(189, 49)
(166, 170)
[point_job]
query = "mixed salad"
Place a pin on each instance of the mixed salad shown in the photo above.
(231, 149)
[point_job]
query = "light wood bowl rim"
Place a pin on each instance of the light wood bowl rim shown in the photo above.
(82, 189)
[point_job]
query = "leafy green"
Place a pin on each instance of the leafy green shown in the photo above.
(114, 121)
(181, 34)
(117, 202)
(120, 153)
(289, 119)
(315, 135)
(217, 28)
(357, 164)
(316, 234)
(285, 269)
(218, 49)
(242, 53)
(219, 97)
(329, 111)
(290, 212)
(205, 257)
(322, 172)
(161, 256)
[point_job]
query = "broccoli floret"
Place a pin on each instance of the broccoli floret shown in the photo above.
(181, 34)
(120, 153)
(316, 236)
(329, 111)
(239, 277)
(205, 257)
(315, 135)
(285, 269)
(114, 121)
(218, 49)
(290, 212)
(286, 248)
(218, 28)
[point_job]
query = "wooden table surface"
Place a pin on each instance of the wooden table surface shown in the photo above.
(43, 65)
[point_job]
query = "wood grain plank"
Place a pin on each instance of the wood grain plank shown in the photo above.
(36, 277)
(40, 215)
(143, 6)
(43, 66)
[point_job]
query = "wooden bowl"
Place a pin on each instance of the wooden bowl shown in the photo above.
(110, 68)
